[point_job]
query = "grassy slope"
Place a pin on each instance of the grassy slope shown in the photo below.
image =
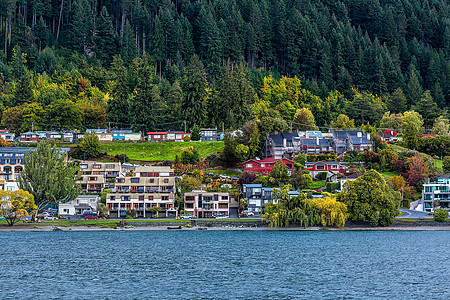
(159, 151)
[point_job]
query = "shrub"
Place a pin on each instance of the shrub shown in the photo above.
(322, 176)
(187, 139)
(440, 215)
(332, 186)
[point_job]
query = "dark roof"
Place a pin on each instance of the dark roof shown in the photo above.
(277, 140)
(342, 134)
(313, 142)
(14, 150)
(359, 140)
(290, 135)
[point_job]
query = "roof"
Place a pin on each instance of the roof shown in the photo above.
(313, 142)
(392, 132)
(352, 176)
(30, 133)
(290, 135)
(97, 130)
(252, 185)
(359, 140)
(121, 131)
(277, 139)
(323, 162)
(88, 196)
(312, 134)
(14, 150)
(341, 134)
(141, 169)
(156, 132)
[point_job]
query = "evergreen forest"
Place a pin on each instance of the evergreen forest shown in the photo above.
(260, 65)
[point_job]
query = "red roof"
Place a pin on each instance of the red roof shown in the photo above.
(152, 133)
(394, 133)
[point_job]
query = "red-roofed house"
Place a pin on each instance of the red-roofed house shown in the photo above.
(156, 136)
(265, 166)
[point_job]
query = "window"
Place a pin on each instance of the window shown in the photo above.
(110, 166)
(334, 166)
(165, 198)
(120, 180)
(150, 198)
(320, 167)
(152, 180)
(141, 197)
(97, 166)
(83, 166)
(157, 136)
(166, 180)
(190, 198)
(224, 197)
(178, 136)
(112, 198)
(8, 154)
(189, 205)
(249, 165)
(263, 165)
(92, 178)
(134, 180)
(125, 198)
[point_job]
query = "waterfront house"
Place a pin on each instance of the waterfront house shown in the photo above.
(11, 164)
(265, 166)
(203, 204)
(77, 207)
(253, 194)
(146, 188)
(435, 193)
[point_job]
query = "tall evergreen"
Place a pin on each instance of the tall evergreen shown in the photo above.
(117, 108)
(194, 87)
(106, 42)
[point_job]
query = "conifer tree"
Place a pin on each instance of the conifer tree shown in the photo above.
(194, 87)
(117, 108)
(106, 43)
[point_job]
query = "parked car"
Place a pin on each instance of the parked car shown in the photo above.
(223, 176)
(234, 178)
(50, 218)
(221, 216)
(2, 218)
(250, 214)
(186, 216)
(91, 217)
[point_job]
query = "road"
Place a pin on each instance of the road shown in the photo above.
(414, 214)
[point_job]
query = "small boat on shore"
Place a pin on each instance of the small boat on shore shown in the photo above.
(173, 227)
(202, 228)
(56, 228)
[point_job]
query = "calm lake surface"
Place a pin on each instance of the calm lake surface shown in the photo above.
(225, 265)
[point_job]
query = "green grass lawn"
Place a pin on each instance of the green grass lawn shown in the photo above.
(439, 164)
(316, 185)
(159, 151)
(388, 174)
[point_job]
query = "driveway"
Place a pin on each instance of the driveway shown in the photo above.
(414, 214)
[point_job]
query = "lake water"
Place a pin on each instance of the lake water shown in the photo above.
(225, 265)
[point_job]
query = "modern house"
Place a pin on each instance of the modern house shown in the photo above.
(345, 140)
(104, 137)
(148, 187)
(265, 166)
(53, 135)
(203, 204)
(253, 194)
(77, 207)
(125, 135)
(158, 136)
(208, 134)
(316, 146)
(282, 145)
(435, 193)
(29, 137)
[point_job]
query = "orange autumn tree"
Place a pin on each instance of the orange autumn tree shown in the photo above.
(15, 205)
(398, 183)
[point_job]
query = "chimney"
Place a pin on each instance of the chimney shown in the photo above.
(284, 143)
(368, 136)
(317, 141)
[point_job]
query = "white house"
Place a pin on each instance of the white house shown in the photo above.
(78, 206)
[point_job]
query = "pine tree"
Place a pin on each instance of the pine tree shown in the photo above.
(194, 87)
(397, 102)
(128, 44)
(414, 88)
(106, 42)
(117, 108)
(80, 34)
(158, 49)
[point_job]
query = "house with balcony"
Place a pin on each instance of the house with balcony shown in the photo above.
(345, 140)
(316, 146)
(29, 137)
(258, 197)
(435, 193)
(203, 204)
(11, 165)
(282, 145)
(147, 187)
(208, 134)
(265, 166)
(77, 207)
(95, 176)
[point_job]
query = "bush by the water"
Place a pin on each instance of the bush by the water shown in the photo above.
(440, 215)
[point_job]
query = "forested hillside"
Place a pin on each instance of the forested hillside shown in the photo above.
(151, 64)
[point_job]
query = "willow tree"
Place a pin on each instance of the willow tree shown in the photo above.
(48, 176)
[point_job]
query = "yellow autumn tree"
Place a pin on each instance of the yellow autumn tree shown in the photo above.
(15, 205)
(332, 212)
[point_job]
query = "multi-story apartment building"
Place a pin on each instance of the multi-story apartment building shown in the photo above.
(11, 164)
(203, 204)
(148, 187)
(436, 193)
(96, 176)
(258, 197)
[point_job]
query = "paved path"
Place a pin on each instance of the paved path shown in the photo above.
(414, 214)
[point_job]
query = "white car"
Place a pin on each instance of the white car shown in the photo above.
(50, 218)
(186, 216)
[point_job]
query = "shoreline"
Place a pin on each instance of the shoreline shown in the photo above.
(32, 228)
